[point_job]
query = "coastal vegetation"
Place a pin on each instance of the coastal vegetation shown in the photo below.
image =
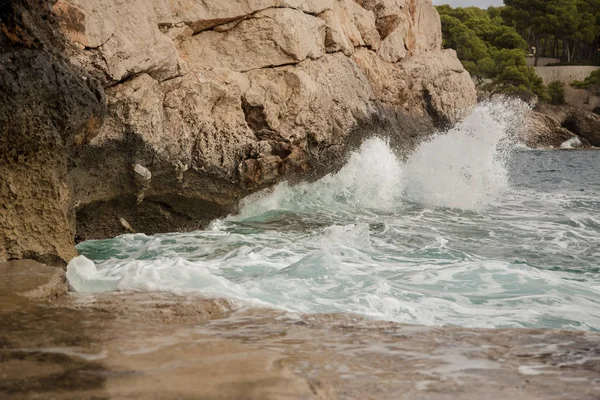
(564, 29)
(493, 44)
(556, 92)
(591, 83)
(492, 51)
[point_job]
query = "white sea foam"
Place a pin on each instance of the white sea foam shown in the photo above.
(463, 168)
(442, 238)
(372, 179)
(572, 143)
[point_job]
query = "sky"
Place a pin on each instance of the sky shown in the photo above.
(467, 3)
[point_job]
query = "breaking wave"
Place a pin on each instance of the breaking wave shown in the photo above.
(467, 231)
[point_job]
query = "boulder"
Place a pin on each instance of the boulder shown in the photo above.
(580, 122)
(543, 131)
(430, 86)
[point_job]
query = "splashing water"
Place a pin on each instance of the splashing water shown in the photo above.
(465, 232)
(465, 168)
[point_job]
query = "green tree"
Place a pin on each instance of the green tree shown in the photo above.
(556, 92)
(592, 79)
(493, 52)
(568, 29)
(591, 83)
(469, 47)
(508, 38)
(513, 75)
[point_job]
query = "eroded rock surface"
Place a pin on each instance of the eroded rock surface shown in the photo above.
(32, 280)
(218, 99)
(584, 124)
(161, 346)
(546, 131)
(49, 110)
(154, 116)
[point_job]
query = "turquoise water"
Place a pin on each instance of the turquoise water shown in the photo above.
(471, 230)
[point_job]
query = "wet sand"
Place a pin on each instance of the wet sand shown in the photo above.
(162, 346)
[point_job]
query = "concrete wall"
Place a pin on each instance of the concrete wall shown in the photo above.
(566, 74)
(575, 97)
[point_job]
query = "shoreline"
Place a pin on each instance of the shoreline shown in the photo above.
(560, 149)
(159, 345)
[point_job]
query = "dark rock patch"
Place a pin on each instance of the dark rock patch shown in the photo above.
(49, 109)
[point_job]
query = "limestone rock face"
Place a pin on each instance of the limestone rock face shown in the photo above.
(273, 37)
(49, 110)
(208, 101)
(126, 33)
(218, 99)
(203, 15)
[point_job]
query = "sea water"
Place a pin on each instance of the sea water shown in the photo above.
(470, 229)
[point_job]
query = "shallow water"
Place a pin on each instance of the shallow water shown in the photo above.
(470, 230)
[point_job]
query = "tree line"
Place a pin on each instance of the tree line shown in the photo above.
(565, 29)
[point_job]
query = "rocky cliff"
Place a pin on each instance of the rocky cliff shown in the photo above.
(210, 100)
(48, 111)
